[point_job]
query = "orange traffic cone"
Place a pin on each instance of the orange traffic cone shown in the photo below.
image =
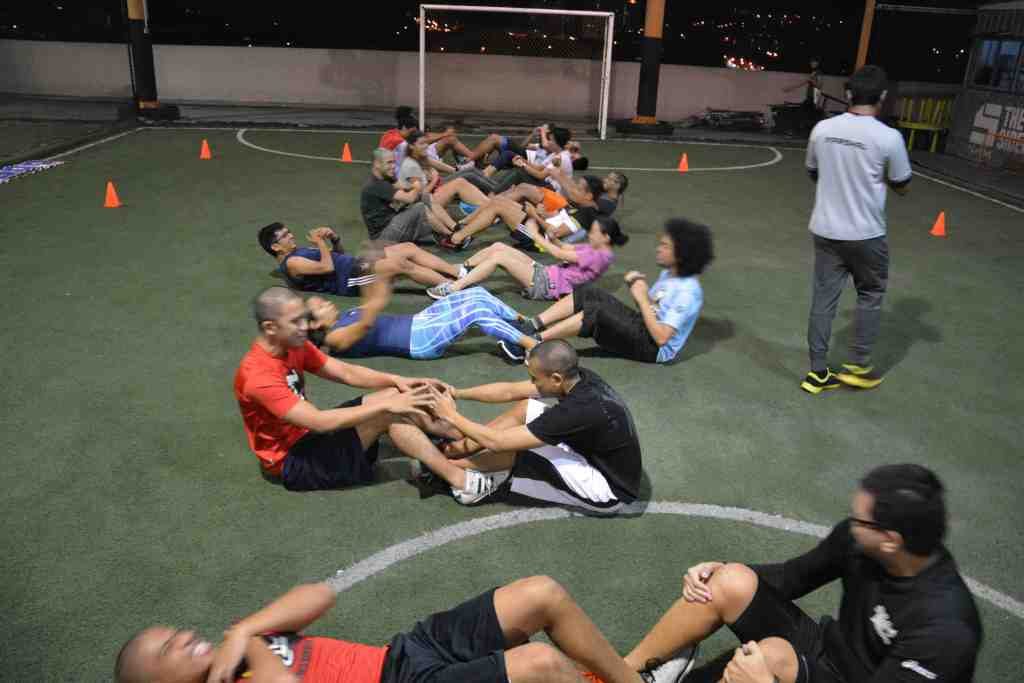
(346, 154)
(111, 202)
(204, 151)
(939, 229)
(684, 164)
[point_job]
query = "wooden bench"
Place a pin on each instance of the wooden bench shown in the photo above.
(930, 114)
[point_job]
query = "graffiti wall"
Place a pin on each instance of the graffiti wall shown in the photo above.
(988, 128)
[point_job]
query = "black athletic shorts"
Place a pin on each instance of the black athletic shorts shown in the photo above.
(329, 460)
(769, 615)
(613, 325)
(462, 645)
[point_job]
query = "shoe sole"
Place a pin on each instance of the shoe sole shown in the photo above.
(816, 389)
(858, 381)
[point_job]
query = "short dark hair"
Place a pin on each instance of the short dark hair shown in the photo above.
(268, 236)
(909, 499)
(403, 113)
(561, 136)
(691, 243)
(594, 185)
(124, 665)
(414, 136)
(867, 85)
(267, 304)
(557, 355)
(610, 227)
(622, 180)
(581, 164)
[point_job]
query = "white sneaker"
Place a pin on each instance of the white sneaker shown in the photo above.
(440, 291)
(674, 670)
(463, 271)
(466, 166)
(479, 485)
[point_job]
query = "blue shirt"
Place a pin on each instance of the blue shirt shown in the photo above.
(328, 283)
(389, 335)
(677, 302)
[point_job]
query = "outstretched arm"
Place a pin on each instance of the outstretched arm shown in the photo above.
(498, 392)
(293, 611)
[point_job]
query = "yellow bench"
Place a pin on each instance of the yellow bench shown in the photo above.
(931, 114)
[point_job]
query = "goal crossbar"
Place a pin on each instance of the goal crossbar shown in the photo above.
(606, 71)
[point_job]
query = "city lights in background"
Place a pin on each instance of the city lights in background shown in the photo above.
(742, 63)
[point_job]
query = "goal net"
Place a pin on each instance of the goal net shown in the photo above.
(536, 64)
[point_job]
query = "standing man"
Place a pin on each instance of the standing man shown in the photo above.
(312, 449)
(852, 158)
(582, 452)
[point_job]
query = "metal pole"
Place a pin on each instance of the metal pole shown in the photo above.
(606, 77)
(865, 33)
(423, 69)
(647, 95)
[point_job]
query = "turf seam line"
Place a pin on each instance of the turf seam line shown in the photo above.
(102, 141)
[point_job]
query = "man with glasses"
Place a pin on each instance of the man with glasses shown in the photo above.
(325, 268)
(905, 616)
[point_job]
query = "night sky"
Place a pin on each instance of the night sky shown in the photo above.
(770, 34)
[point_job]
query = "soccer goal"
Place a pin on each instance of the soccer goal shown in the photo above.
(540, 63)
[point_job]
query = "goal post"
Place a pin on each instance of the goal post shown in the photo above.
(431, 18)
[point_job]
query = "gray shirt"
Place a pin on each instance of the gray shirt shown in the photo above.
(854, 157)
(409, 169)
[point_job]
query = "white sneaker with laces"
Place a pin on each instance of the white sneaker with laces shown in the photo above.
(673, 670)
(479, 485)
(440, 291)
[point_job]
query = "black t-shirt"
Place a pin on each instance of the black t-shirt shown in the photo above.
(607, 205)
(594, 421)
(893, 629)
(585, 217)
(375, 203)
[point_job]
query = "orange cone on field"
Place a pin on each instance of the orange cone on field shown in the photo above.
(204, 151)
(939, 229)
(684, 164)
(111, 202)
(346, 154)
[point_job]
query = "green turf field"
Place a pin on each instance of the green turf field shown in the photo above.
(130, 496)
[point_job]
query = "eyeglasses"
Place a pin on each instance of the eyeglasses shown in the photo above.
(866, 523)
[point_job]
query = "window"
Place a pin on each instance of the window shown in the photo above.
(997, 65)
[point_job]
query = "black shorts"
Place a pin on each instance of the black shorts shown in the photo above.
(463, 645)
(329, 460)
(613, 325)
(769, 615)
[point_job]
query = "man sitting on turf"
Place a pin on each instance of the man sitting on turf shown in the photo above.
(905, 615)
(308, 448)
(485, 639)
(327, 269)
(365, 331)
(397, 214)
(582, 452)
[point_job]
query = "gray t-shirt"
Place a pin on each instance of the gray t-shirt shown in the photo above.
(854, 157)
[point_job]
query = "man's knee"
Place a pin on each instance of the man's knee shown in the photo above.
(732, 588)
(543, 591)
(540, 661)
(780, 657)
